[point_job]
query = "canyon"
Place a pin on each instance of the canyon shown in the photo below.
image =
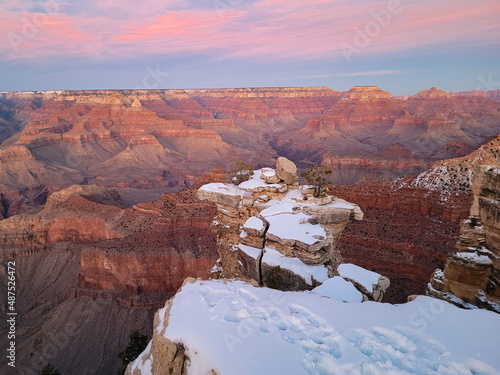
(166, 139)
(85, 262)
(98, 203)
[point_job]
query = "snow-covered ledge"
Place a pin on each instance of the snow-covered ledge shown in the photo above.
(233, 327)
(271, 229)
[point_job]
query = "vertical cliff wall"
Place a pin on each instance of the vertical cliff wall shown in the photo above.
(472, 275)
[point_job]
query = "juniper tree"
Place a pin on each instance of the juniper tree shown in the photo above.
(317, 176)
(241, 171)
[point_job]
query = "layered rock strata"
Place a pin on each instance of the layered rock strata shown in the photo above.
(274, 231)
(165, 139)
(471, 276)
(86, 263)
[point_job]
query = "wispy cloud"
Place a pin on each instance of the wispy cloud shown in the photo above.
(366, 73)
(262, 29)
(385, 72)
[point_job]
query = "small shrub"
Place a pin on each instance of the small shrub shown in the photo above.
(474, 222)
(136, 346)
(240, 171)
(313, 220)
(316, 176)
(50, 370)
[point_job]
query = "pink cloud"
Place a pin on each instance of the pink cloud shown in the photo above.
(445, 25)
(32, 35)
(180, 24)
(267, 29)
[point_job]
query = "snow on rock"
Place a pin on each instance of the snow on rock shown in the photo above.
(255, 226)
(310, 274)
(226, 194)
(339, 289)
(251, 251)
(284, 218)
(294, 229)
(474, 257)
(259, 186)
(237, 328)
(144, 362)
(370, 283)
(358, 274)
(256, 184)
(280, 207)
(269, 175)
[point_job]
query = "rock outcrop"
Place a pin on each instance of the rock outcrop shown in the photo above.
(471, 276)
(276, 232)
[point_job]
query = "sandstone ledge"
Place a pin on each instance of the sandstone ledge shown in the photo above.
(285, 238)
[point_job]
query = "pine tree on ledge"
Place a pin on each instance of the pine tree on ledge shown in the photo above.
(316, 176)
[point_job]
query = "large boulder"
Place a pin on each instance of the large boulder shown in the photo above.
(286, 170)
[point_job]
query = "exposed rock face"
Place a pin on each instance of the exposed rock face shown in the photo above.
(471, 275)
(411, 225)
(286, 170)
(85, 263)
(406, 233)
(277, 233)
(456, 176)
(165, 139)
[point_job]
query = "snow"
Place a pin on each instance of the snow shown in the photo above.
(236, 328)
(145, 366)
(358, 274)
(279, 207)
(216, 268)
(255, 183)
(250, 251)
(339, 289)
(295, 227)
(438, 273)
(450, 297)
(254, 223)
(340, 203)
(274, 258)
(268, 172)
(474, 257)
(227, 189)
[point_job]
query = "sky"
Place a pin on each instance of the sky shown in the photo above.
(403, 46)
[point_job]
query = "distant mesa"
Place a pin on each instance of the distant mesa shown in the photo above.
(366, 93)
(432, 93)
